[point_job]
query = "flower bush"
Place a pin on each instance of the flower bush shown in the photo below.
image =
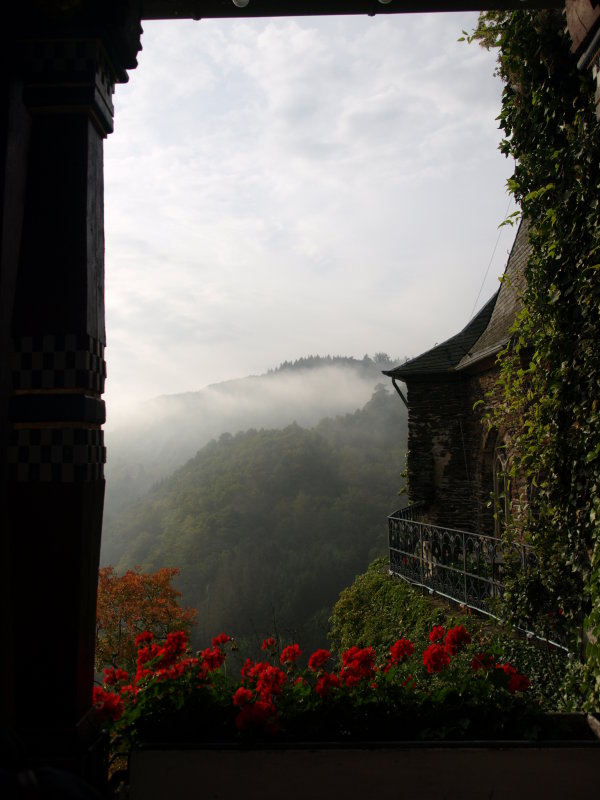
(446, 690)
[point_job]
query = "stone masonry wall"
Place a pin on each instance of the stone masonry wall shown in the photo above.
(449, 468)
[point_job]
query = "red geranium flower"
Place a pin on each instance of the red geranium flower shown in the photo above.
(290, 654)
(175, 645)
(270, 681)
(146, 636)
(146, 654)
(403, 648)
(327, 681)
(179, 669)
(269, 643)
(247, 667)
(357, 664)
(213, 657)
(318, 660)
(222, 638)
(437, 633)
(242, 696)
(113, 676)
(516, 681)
(363, 657)
(436, 658)
(108, 705)
(456, 638)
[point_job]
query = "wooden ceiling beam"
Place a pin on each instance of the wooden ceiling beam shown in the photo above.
(215, 9)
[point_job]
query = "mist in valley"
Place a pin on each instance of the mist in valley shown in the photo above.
(268, 523)
(148, 443)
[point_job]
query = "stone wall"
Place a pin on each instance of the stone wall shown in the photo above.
(451, 451)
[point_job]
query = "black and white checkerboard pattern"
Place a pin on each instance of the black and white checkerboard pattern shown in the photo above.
(64, 455)
(68, 361)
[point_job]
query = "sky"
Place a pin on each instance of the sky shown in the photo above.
(298, 186)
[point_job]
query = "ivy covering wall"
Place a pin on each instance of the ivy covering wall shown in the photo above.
(550, 374)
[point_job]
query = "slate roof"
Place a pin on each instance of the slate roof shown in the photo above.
(487, 333)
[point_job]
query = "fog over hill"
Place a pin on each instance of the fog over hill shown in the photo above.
(165, 432)
(268, 525)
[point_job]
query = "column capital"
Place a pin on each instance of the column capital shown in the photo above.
(71, 53)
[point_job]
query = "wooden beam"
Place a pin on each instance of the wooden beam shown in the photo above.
(583, 18)
(211, 9)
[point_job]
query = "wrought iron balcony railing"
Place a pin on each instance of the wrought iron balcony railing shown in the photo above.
(465, 567)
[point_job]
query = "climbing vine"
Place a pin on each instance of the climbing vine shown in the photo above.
(550, 374)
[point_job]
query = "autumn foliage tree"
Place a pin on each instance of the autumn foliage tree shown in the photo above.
(132, 603)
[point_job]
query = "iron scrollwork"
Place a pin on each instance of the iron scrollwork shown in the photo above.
(466, 567)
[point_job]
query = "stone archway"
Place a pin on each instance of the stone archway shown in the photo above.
(494, 485)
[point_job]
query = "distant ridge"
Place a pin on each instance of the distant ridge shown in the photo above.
(167, 431)
(381, 360)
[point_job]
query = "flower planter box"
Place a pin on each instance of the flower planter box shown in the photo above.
(453, 771)
(311, 734)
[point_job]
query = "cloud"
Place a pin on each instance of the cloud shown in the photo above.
(282, 187)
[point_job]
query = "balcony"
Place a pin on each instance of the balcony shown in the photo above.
(465, 567)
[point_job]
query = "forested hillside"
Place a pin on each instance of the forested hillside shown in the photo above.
(162, 434)
(267, 526)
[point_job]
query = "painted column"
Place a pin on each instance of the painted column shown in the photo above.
(65, 70)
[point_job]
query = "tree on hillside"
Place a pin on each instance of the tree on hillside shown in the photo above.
(132, 603)
(270, 525)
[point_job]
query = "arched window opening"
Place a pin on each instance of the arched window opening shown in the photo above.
(495, 486)
(501, 488)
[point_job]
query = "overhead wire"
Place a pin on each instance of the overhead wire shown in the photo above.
(510, 200)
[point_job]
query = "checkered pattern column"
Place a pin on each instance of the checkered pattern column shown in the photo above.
(57, 381)
(55, 448)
